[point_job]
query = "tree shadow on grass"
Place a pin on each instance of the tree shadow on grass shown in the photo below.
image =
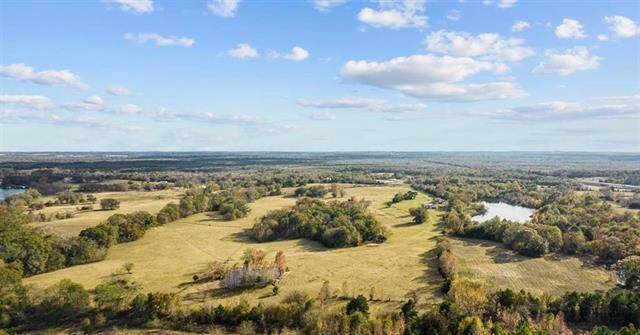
(406, 224)
(431, 279)
(497, 251)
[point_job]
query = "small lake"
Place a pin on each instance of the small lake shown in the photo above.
(504, 211)
(5, 192)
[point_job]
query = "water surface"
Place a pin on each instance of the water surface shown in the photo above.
(5, 192)
(504, 211)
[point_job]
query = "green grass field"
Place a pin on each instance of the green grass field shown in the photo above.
(502, 268)
(167, 257)
(130, 201)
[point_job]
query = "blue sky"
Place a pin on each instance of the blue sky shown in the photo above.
(319, 75)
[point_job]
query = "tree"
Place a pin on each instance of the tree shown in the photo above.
(109, 204)
(63, 301)
(419, 214)
(358, 304)
(628, 270)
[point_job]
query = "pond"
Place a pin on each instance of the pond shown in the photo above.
(5, 192)
(504, 211)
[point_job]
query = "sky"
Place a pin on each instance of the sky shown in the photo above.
(319, 75)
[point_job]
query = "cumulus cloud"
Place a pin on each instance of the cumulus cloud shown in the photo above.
(159, 40)
(242, 51)
(224, 8)
(602, 37)
(486, 46)
(454, 15)
(520, 26)
(604, 107)
(395, 14)
(326, 5)
(24, 72)
(507, 3)
(570, 29)
(297, 54)
(372, 105)
(135, 6)
(118, 90)
(431, 77)
(32, 101)
(322, 116)
(94, 100)
(568, 61)
(621, 26)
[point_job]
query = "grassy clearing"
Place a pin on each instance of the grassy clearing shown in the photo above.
(502, 268)
(130, 201)
(167, 257)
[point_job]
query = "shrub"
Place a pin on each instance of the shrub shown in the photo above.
(358, 304)
(109, 204)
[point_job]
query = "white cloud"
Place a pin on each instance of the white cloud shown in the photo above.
(136, 6)
(520, 26)
(454, 15)
(224, 8)
(604, 107)
(326, 5)
(94, 100)
(129, 109)
(372, 105)
(161, 40)
(486, 46)
(395, 14)
(621, 26)
(242, 51)
(431, 77)
(297, 54)
(23, 72)
(602, 37)
(501, 3)
(32, 101)
(322, 116)
(118, 90)
(507, 3)
(568, 61)
(570, 29)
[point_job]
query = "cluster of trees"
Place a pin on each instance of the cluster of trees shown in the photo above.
(109, 204)
(255, 271)
(527, 239)
(334, 224)
(468, 308)
(420, 214)
(315, 191)
(596, 228)
(409, 195)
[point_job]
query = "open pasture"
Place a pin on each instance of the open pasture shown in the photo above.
(503, 268)
(167, 257)
(130, 201)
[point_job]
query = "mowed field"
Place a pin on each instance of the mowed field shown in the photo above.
(167, 257)
(130, 201)
(502, 268)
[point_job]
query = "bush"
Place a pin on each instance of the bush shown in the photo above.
(109, 204)
(358, 304)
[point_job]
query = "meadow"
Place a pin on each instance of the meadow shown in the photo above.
(551, 275)
(130, 201)
(167, 258)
